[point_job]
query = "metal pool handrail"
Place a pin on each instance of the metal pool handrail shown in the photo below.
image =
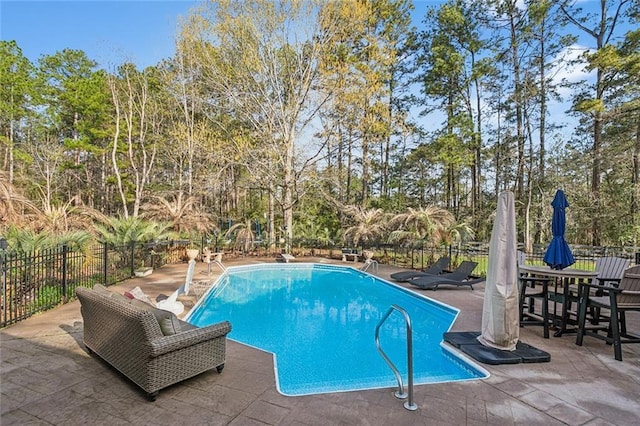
(400, 393)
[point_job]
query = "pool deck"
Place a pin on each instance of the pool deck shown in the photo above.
(48, 378)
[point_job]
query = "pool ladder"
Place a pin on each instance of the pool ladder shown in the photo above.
(400, 393)
(369, 263)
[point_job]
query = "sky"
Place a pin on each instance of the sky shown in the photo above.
(112, 32)
(109, 32)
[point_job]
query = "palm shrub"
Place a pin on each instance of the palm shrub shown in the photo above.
(368, 225)
(125, 233)
(15, 208)
(40, 263)
(419, 224)
(183, 214)
(243, 235)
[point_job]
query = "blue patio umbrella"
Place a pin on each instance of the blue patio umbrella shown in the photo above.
(558, 255)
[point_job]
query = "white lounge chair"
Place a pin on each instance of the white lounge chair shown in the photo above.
(171, 303)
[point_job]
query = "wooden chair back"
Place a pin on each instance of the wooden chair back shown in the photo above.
(610, 268)
(630, 286)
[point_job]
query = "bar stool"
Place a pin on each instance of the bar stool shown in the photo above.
(528, 294)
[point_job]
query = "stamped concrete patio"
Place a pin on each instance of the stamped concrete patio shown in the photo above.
(48, 378)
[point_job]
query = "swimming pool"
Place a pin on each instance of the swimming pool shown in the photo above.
(319, 322)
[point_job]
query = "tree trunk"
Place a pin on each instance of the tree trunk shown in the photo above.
(287, 188)
(10, 149)
(635, 188)
(518, 104)
(272, 216)
(114, 149)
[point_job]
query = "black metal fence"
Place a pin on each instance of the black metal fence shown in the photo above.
(40, 280)
(585, 256)
(420, 256)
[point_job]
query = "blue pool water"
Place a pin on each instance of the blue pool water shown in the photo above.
(319, 321)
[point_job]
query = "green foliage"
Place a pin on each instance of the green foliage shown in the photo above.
(16, 84)
(75, 93)
(26, 240)
(50, 296)
(122, 231)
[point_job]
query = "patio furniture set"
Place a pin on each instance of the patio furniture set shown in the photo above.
(587, 303)
(603, 297)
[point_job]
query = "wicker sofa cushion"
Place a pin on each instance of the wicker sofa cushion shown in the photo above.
(137, 293)
(168, 321)
(103, 290)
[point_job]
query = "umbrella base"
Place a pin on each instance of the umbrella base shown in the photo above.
(467, 342)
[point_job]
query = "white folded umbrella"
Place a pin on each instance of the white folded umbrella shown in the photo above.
(500, 316)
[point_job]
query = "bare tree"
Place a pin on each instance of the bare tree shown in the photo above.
(136, 112)
(260, 58)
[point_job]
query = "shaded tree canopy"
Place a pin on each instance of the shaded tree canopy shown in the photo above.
(275, 115)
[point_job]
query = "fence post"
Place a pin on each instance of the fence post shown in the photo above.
(3, 276)
(65, 250)
(411, 256)
(133, 245)
(105, 259)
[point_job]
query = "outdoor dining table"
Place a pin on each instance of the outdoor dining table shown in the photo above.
(563, 278)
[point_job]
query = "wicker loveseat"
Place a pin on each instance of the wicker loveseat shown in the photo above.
(150, 346)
